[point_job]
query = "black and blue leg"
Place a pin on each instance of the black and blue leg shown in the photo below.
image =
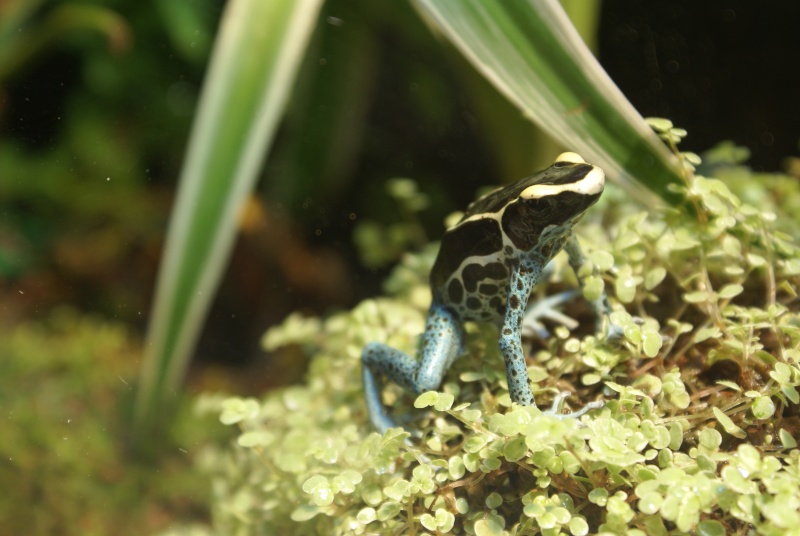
(442, 343)
(524, 277)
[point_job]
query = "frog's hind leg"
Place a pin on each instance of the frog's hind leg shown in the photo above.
(442, 342)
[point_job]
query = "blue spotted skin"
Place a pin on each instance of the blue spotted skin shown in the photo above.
(487, 266)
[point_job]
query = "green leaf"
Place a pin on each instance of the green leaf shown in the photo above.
(491, 526)
(255, 439)
(347, 480)
(426, 399)
(710, 438)
(304, 513)
(428, 521)
(787, 440)
(602, 259)
(593, 287)
(654, 277)
(763, 407)
(444, 403)
(651, 342)
(239, 409)
(659, 124)
(320, 490)
(706, 333)
(625, 285)
(516, 449)
(494, 500)
(578, 526)
(445, 520)
(598, 496)
(366, 515)
(729, 385)
(398, 491)
(388, 510)
(253, 66)
(650, 502)
(730, 291)
(728, 424)
(533, 55)
(698, 296)
(782, 373)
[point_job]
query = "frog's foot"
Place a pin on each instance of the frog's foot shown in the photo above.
(378, 414)
(555, 408)
(547, 309)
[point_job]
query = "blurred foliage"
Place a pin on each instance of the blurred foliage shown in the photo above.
(66, 397)
(379, 244)
(700, 428)
(95, 100)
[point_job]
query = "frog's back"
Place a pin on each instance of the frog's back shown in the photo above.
(470, 275)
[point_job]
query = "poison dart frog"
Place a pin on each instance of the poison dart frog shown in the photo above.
(485, 270)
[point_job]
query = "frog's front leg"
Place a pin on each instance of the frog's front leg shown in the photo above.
(524, 276)
(442, 342)
(523, 279)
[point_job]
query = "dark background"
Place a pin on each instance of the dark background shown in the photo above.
(722, 70)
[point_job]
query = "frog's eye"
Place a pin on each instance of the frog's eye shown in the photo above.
(565, 159)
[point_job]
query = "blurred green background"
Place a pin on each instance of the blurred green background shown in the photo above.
(96, 102)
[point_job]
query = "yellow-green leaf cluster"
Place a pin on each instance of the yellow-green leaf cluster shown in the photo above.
(696, 435)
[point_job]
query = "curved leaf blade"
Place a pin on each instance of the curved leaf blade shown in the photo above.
(533, 55)
(253, 66)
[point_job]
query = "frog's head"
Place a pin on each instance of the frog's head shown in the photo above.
(564, 191)
(551, 202)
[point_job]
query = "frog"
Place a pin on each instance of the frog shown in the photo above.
(486, 268)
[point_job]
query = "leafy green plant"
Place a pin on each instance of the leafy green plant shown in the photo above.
(697, 433)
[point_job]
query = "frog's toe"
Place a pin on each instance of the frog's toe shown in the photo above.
(547, 309)
(555, 408)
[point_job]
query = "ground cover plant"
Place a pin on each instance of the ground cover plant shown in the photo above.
(698, 433)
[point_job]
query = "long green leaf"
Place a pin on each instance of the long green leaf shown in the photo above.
(531, 53)
(253, 66)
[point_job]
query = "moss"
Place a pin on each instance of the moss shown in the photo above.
(67, 386)
(699, 431)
